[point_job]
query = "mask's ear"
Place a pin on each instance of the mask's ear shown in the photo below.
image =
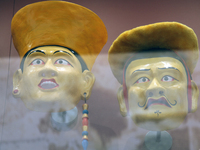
(195, 95)
(88, 82)
(16, 83)
(122, 105)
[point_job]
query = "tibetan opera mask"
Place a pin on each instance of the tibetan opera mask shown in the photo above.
(154, 64)
(58, 48)
(52, 77)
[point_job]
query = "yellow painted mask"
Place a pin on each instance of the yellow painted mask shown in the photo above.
(58, 43)
(157, 92)
(154, 65)
(52, 79)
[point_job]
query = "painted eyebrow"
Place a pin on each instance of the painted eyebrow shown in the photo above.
(141, 70)
(36, 51)
(169, 68)
(62, 52)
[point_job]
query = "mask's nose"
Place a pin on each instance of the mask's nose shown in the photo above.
(155, 89)
(49, 70)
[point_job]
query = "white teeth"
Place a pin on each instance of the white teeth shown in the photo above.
(48, 85)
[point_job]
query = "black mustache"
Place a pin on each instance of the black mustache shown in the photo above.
(165, 102)
(160, 101)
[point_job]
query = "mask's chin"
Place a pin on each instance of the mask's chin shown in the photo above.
(163, 125)
(49, 105)
(163, 122)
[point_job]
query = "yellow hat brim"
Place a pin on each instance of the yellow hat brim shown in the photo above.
(164, 35)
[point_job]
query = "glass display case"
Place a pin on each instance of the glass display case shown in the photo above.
(22, 128)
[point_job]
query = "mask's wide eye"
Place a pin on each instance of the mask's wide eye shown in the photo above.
(37, 62)
(142, 80)
(167, 79)
(62, 62)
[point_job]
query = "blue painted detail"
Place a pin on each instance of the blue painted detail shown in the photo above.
(84, 133)
(85, 111)
(85, 144)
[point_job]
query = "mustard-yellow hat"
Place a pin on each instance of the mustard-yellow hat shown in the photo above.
(164, 35)
(59, 23)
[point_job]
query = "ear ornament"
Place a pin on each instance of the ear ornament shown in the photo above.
(15, 91)
(85, 118)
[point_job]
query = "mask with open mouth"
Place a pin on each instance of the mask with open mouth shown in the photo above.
(48, 84)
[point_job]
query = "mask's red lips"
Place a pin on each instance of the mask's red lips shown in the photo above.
(160, 101)
(48, 84)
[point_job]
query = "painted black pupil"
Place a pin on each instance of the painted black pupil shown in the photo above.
(60, 61)
(38, 61)
(143, 79)
(166, 78)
